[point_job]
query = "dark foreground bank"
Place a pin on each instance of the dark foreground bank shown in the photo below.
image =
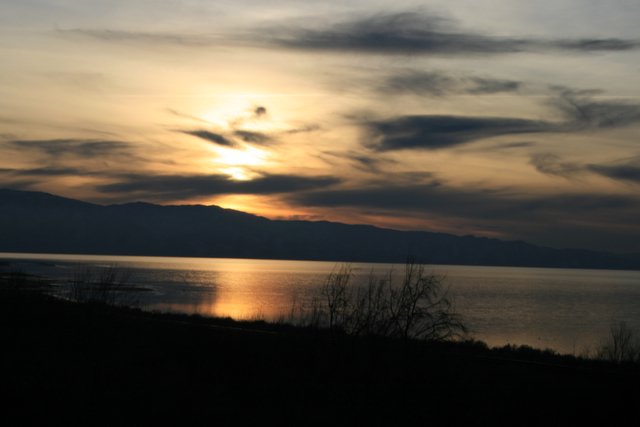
(100, 365)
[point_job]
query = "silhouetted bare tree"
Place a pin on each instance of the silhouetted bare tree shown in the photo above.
(417, 307)
(622, 346)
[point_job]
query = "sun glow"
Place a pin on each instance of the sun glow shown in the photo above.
(239, 163)
(239, 174)
(248, 156)
(236, 118)
(246, 112)
(230, 112)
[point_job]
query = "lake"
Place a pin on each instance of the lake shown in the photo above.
(568, 310)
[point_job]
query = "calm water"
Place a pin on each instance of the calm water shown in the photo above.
(563, 309)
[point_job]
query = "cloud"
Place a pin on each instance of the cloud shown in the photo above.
(587, 220)
(260, 111)
(583, 112)
(235, 133)
(432, 83)
(609, 44)
(415, 32)
(486, 204)
(551, 164)
(367, 163)
(88, 148)
(253, 137)
(152, 38)
(520, 144)
(438, 83)
(247, 136)
(429, 196)
(185, 115)
(22, 184)
(175, 187)
(46, 172)
(431, 132)
(441, 131)
(626, 171)
(487, 85)
(302, 129)
(359, 160)
(213, 137)
(410, 32)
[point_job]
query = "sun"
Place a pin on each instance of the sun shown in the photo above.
(238, 174)
(240, 113)
(239, 163)
(246, 156)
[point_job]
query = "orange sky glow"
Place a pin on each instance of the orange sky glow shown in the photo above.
(476, 118)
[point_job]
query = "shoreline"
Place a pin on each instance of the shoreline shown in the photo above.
(68, 256)
(574, 338)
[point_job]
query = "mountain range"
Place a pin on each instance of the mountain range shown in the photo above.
(36, 222)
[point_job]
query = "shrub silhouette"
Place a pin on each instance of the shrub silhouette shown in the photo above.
(417, 307)
(104, 285)
(622, 346)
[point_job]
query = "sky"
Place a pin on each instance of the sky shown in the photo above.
(509, 119)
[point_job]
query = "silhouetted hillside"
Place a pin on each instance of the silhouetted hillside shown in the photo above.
(40, 222)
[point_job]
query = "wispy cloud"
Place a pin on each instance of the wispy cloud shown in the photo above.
(440, 83)
(209, 136)
(231, 139)
(416, 32)
(78, 147)
(234, 133)
(430, 132)
(366, 162)
(46, 172)
(409, 32)
(480, 85)
(628, 170)
(552, 164)
(253, 137)
(441, 131)
(583, 112)
(420, 83)
(132, 36)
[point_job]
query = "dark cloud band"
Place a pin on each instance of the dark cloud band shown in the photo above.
(411, 32)
(626, 171)
(587, 220)
(177, 187)
(438, 131)
(420, 33)
(78, 147)
(430, 132)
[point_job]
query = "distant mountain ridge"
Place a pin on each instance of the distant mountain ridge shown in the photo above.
(40, 222)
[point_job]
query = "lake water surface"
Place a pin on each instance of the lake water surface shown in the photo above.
(568, 310)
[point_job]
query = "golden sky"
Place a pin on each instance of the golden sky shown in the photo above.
(509, 119)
